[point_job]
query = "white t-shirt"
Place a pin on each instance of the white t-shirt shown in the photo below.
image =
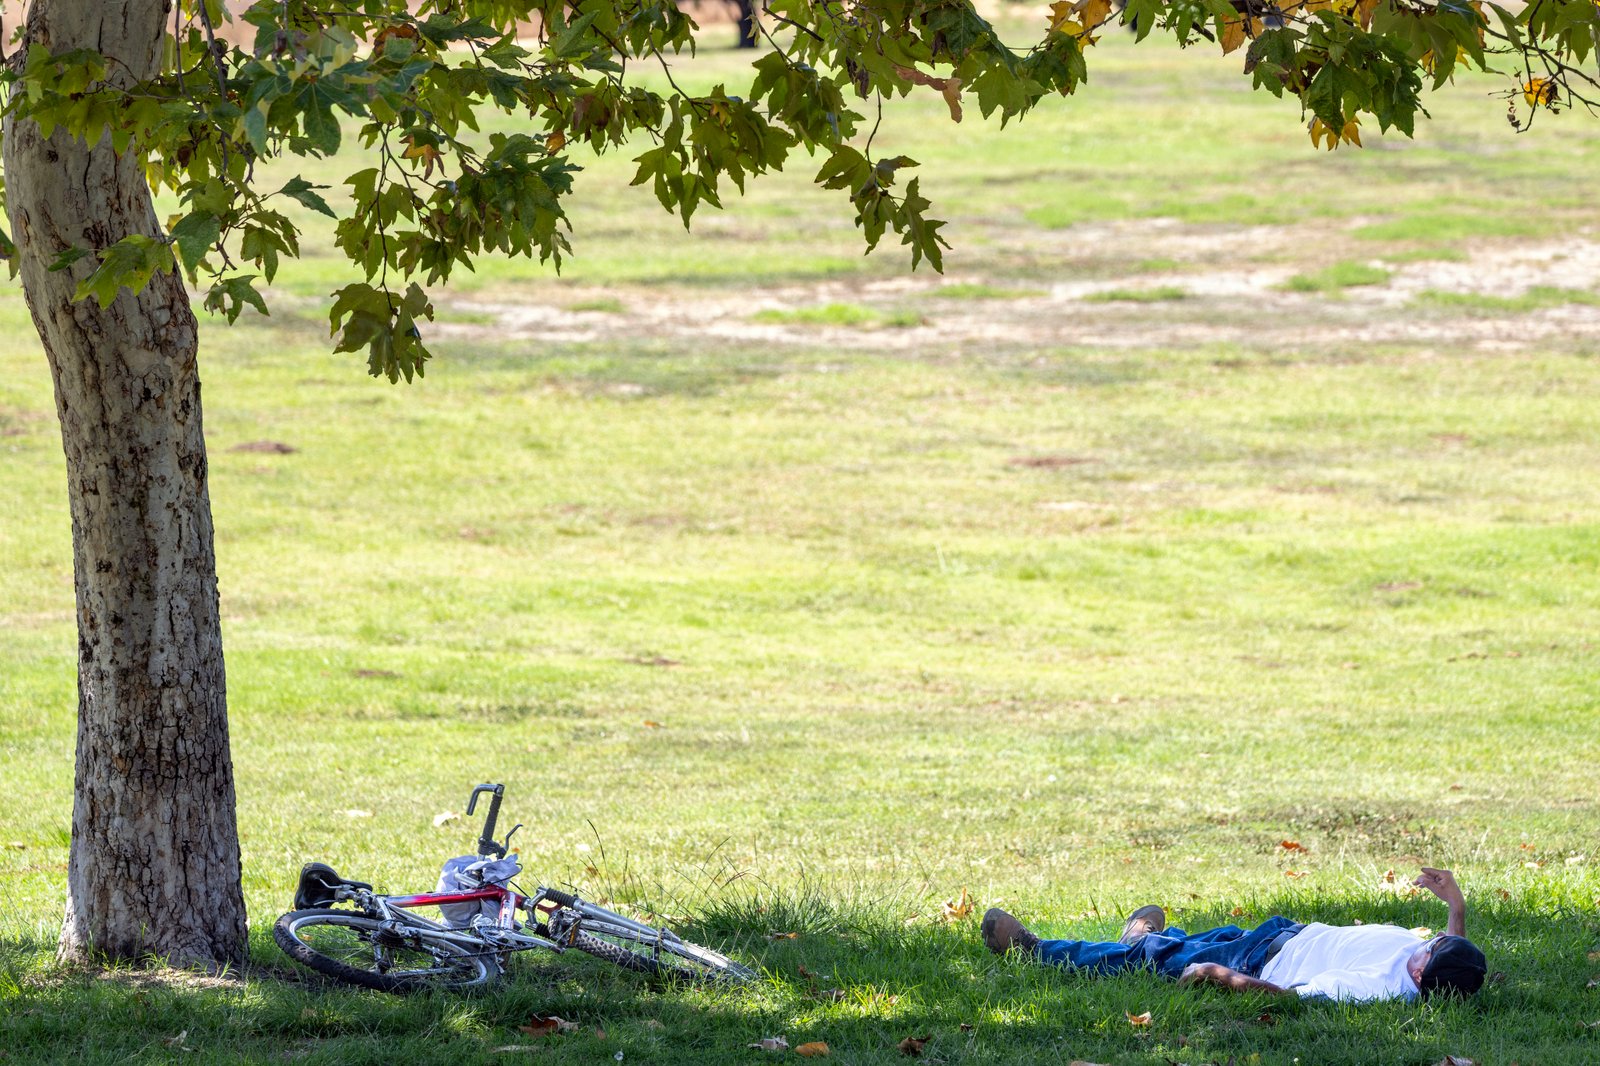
(1349, 962)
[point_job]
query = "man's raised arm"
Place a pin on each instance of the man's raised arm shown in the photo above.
(1442, 883)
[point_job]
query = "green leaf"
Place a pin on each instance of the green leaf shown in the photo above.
(67, 257)
(301, 190)
(128, 264)
(195, 235)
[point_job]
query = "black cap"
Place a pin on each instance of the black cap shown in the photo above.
(1456, 966)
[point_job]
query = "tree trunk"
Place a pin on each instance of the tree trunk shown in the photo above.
(154, 869)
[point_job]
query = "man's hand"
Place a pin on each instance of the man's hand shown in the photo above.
(1442, 883)
(1215, 973)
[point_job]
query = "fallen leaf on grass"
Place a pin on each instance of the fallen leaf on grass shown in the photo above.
(1138, 1020)
(443, 817)
(648, 724)
(19, 845)
(1593, 956)
(1295, 873)
(654, 1023)
(1455, 1060)
(1594, 982)
(770, 1043)
(1291, 845)
(967, 1027)
(775, 935)
(547, 1026)
(1589, 1025)
(817, 1049)
(1237, 912)
(1502, 893)
(958, 907)
(912, 1045)
(599, 1033)
(178, 1041)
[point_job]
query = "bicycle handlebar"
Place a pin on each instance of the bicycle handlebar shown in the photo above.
(487, 845)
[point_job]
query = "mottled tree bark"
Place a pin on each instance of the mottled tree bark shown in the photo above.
(154, 868)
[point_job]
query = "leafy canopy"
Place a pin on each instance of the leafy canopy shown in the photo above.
(410, 83)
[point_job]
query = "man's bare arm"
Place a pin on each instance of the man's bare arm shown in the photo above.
(1215, 973)
(1442, 883)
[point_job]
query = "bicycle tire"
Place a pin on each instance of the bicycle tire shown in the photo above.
(340, 944)
(661, 957)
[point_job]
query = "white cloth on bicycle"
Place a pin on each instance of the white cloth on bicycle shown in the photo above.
(466, 873)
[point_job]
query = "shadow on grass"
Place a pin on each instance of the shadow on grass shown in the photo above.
(855, 976)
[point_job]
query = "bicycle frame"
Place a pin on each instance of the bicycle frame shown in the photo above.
(502, 933)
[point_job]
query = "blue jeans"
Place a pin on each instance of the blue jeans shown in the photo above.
(1169, 951)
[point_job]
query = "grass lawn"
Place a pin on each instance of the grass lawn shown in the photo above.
(789, 595)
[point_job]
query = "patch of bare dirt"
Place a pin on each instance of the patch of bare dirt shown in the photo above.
(1232, 277)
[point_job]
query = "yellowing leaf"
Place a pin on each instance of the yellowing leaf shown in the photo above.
(556, 141)
(952, 97)
(1093, 12)
(428, 154)
(1540, 92)
(1232, 35)
(815, 1049)
(1138, 1020)
(1349, 134)
(1291, 845)
(959, 907)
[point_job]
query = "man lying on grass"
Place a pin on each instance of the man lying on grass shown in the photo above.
(1346, 962)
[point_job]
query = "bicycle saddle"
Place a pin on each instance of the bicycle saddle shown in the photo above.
(318, 882)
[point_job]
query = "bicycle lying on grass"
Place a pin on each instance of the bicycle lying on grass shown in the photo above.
(377, 941)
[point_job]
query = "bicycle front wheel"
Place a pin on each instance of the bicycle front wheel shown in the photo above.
(367, 952)
(658, 952)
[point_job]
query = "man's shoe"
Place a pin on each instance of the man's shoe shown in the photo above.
(1002, 932)
(1147, 919)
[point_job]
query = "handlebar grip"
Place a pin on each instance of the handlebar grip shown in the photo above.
(560, 898)
(486, 842)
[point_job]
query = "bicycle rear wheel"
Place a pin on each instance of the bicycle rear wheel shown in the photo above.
(367, 952)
